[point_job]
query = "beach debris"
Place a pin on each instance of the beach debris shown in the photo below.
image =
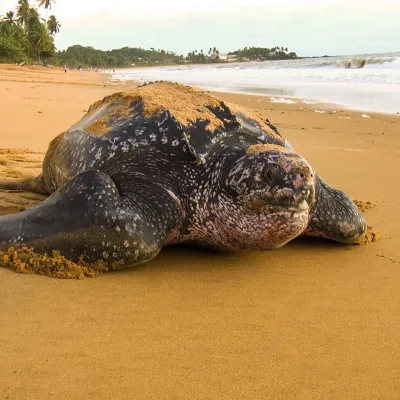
(281, 100)
(319, 111)
(365, 116)
(344, 117)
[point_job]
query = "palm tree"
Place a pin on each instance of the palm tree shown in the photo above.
(39, 39)
(33, 18)
(46, 4)
(23, 12)
(9, 18)
(53, 25)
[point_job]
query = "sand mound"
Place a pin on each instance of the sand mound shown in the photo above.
(25, 260)
(363, 205)
(370, 236)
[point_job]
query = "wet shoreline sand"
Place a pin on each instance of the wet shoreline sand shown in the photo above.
(311, 320)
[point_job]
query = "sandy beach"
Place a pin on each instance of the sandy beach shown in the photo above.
(312, 320)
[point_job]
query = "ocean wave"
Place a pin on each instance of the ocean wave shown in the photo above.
(356, 63)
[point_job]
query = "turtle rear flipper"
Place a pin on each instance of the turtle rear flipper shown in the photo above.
(335, 216)
(89, 219)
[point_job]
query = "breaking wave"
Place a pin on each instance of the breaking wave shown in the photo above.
(356, 63)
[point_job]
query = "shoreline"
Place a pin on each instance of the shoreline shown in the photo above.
(90, 78)
(304, 101)
(374, 88)
(312, 318)
(301, 101)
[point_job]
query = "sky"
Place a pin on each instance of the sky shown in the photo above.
(308, 27)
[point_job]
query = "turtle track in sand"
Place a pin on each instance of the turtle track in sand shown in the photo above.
(18, 163)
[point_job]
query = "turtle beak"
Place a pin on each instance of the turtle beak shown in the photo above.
(291, 185)
(305, 192)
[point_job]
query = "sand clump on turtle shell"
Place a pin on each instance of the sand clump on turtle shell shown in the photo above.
(186, 104)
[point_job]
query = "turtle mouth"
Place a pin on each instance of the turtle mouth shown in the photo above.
(281, 200)
(300, 206)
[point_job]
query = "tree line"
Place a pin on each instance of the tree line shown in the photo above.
(87, 56)
(26, 37)
(77, 55)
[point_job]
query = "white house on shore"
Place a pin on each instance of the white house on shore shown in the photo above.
(223, 56)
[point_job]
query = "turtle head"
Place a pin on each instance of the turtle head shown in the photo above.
(272, 190)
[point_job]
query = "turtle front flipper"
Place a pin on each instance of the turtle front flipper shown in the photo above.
(335, 216)
(89, 219)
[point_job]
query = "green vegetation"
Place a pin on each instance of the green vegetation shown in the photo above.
(263, 53)
(26, 37)
(199, 57)
(82, 56)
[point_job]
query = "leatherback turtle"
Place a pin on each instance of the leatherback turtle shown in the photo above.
(166, 164)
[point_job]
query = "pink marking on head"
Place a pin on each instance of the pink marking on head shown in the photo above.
(299, 181)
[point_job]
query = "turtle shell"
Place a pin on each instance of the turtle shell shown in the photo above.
(200, 117)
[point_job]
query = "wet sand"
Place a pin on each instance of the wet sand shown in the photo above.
(309, 321)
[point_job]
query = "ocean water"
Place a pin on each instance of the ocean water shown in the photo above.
(366, 82)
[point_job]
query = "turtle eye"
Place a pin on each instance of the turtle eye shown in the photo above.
(269, 174)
